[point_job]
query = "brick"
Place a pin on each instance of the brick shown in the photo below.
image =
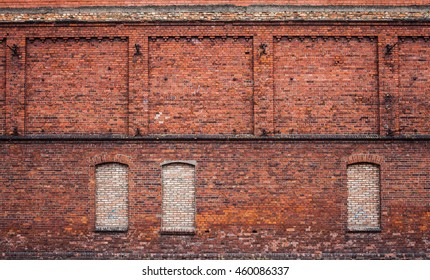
(414, 56)
(363, 197)
(2, 87)
(111, 197)
(192, 82)
(178, 199)
(84, 3)
(260, 189)
(76, 86)
(306, 71)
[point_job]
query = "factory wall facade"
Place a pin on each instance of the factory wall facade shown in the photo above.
(301, 139)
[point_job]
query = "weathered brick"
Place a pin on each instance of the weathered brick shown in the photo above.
(178, 198)
(271, 153)
(76, 86)
(111, 197)
(194, 80)
(307, 69)
(414, 59)
(363, 197)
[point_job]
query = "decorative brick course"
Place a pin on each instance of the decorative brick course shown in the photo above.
(179, 192)
(231, 3)
(363, 197)
(219, 13)
(111, 197)
(76, 86)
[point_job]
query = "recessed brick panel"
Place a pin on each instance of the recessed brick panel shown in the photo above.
(414, 105)
(76, 86)
(2, 86)
(326, 85)
(112, 197)
(201, 86)
(178, 198)
(363, 197)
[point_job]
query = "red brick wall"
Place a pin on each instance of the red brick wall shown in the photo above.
(77, 86)
(251, 197)
(218, 80)
(414, 92)
(2, 87)
(306, 72)
(77, 3)
(200, 86)
(257, 195)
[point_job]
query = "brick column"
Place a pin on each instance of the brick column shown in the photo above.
(2, 85)
(15, 85)
(263, 85)
(388, 57)
(138, 85)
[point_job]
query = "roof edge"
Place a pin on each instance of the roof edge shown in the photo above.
(221, 13)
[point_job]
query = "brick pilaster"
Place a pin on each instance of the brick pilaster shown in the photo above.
(388, 84)
(263, 85)
(15, 84)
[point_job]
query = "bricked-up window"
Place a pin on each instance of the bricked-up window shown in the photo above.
(111, 197)
(178, 198)
(363, 197)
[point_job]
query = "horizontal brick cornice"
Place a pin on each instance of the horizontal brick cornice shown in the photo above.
(216, 13)
(304, 137)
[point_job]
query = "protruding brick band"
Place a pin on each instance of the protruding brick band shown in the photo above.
(216, 13)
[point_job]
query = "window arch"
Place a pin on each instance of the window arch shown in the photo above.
(111, 197)
(363, 180)
(178, 204)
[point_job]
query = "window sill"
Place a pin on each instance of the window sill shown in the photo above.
(177, 231)
(111, 229)
(364, 229)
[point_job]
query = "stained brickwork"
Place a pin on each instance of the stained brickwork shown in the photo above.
(76, 86)
(363, 197)
(78, 3)
(414, 60)
(218, 14)
(178, 198)
(283, 107)
(284, 199)
(307, 69)
(200, 85)
(111, 197)
(2, 86)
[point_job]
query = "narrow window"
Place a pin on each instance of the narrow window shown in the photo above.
(178, 198)
(111, 197)
(363, 197)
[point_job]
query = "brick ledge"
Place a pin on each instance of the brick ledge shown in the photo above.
(295, 137)
(216, 13)
(213, 256)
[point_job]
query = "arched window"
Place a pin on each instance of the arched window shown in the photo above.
(178, 209)
(363, 197)
(111, 197)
